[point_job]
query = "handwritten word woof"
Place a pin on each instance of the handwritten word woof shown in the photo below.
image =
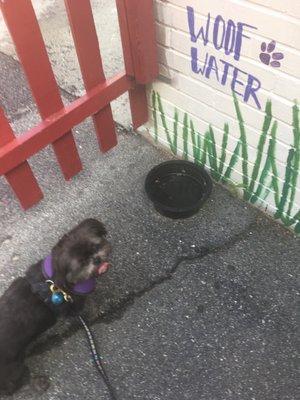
(225, 36)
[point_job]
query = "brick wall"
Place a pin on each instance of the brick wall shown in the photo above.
(227, 95)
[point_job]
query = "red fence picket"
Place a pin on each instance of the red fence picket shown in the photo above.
(20, 178)
(87, 48)
(139, 49)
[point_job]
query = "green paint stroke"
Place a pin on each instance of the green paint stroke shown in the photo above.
(261, 145)
(224, 148)
(243, 139)
(264, 178)
(233, 160)
(205, 149)
(185, 136)
(286, 186)
(212, 153)
(274, 172)
(267, 167)
(172, 142)
(154, 114)
(175, 130)
(196, 141)
(296, 161)
(287, 195)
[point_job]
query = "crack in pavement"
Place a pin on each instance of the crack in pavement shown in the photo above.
(117, 310)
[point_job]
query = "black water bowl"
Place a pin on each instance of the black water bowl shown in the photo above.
(178, 188)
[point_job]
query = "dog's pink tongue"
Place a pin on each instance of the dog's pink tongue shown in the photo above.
(103, 268)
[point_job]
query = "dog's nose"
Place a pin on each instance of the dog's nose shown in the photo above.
(97, 260)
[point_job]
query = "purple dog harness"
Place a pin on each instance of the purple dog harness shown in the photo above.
(81, 288)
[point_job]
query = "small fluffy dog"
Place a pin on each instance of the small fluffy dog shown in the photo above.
(52, 287)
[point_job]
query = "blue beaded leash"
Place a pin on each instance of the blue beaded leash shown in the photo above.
(58, 297)
(97, 358)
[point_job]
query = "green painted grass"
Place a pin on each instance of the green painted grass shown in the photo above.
(257, 184)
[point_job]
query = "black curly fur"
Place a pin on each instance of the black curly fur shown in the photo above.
(24, 316)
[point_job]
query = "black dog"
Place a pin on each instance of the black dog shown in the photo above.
(52, 287)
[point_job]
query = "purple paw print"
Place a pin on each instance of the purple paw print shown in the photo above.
(268, 57)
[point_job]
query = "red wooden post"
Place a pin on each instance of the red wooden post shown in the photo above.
(136, 22)
(138, 106)
(24, 29)
(141, 26)
(87, 47)
(20, 178)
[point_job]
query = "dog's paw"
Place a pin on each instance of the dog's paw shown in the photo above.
(40, 383)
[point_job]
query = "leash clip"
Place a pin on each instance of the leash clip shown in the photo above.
(58, 295)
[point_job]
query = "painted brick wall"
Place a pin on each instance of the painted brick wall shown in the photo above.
(227, 96)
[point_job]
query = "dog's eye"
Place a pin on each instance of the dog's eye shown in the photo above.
(97, 260)
(96, 248)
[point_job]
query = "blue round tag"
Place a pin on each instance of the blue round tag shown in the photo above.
(57, 298)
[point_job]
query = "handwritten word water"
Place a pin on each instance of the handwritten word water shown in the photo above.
(227, 37)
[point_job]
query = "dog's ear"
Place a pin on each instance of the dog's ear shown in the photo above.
(94, 226)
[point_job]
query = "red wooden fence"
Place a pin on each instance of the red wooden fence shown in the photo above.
(139, 49)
